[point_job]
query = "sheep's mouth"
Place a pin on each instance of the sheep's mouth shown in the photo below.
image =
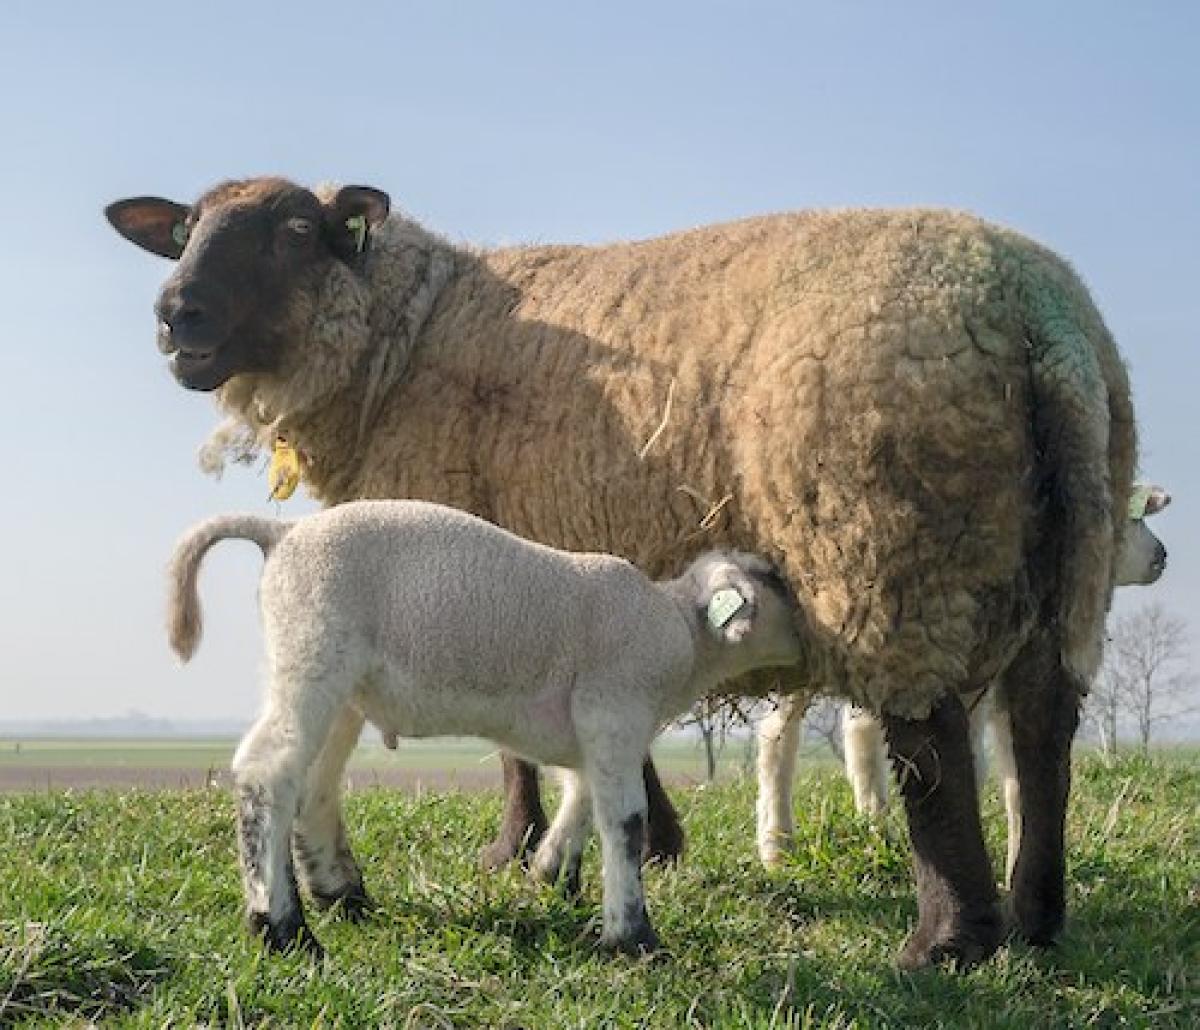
(198, 368)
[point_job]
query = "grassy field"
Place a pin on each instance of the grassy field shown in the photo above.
(436, 763)
(123, 907)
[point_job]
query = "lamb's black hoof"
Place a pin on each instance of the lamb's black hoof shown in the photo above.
(288, 934)
(353, 903)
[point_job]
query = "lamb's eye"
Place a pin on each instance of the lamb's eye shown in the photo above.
(300, 226)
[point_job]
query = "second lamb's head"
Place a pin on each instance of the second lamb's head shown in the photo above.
(743, 614)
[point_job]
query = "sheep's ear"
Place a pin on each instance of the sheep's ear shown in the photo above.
(351, 215)
(729, 606)
(154, 224)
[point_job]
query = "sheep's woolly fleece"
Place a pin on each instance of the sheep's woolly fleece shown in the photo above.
(920, 416)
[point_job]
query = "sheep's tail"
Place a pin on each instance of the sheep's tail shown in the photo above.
(1073, 426)
(183, 602)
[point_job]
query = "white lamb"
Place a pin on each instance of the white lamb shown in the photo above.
(427, 621)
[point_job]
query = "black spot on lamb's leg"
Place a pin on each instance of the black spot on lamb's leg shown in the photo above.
(958, 915)
(666, 838)
(524, 819)
(638, 937)
(1044, 705)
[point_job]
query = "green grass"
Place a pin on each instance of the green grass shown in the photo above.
(125, 907)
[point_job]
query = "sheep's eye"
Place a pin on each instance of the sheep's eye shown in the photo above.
(300, 226)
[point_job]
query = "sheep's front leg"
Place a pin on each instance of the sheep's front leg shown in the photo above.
(561, 850)
(268, 772)
(778, 742)
(524, 819)
(1043, 705)
(958, 915)
(319, 843)
(619, 803)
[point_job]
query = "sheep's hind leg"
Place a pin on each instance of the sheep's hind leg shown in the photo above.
(958, 915)
(1043, 705)
(524, 819)
(560, 854)
(268, 773)
(321, 848)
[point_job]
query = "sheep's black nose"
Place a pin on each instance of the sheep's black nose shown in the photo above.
(183, 314)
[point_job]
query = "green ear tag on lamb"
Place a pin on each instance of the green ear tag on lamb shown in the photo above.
(723, 606)
(358, 226)
(1138, 500)
(179, 233)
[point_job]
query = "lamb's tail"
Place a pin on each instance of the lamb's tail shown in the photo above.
(1073, 425)
(183, 603)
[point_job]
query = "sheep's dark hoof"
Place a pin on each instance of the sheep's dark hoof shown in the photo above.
(960, 950)
(639, 942)
(352, 903)
(288, 934)
(1036, 921)
(509, 846)
(664, 844)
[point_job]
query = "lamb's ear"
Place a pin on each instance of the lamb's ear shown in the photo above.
(154, 224)
(729, 604)
(351, 215)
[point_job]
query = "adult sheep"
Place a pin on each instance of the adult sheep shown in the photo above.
(919, 416)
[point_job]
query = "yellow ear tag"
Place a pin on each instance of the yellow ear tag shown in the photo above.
(358, 226)
(723, 606)
(284, 474)
(1138, 501)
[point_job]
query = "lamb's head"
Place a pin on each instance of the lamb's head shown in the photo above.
(743, 613)
(254, 257)
(1141, 557)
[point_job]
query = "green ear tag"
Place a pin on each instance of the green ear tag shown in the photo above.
(358, 226)
(723, 606)
(1138, 501)
(179, 233)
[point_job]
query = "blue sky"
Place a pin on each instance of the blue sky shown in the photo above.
(1078, 123)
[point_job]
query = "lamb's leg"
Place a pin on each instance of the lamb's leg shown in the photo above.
(664, 842)
(524, 819)
(319, 843)
(561, 851)
(619, 803)
(1006, 770)
(866, 760)
(778, 741)
(269, 772)
(1043, 704)
(958, 916)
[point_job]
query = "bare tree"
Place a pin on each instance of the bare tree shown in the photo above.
(1145, 676)
(823, 721)
(715, 718)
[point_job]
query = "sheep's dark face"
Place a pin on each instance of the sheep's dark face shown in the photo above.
(252, 256)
